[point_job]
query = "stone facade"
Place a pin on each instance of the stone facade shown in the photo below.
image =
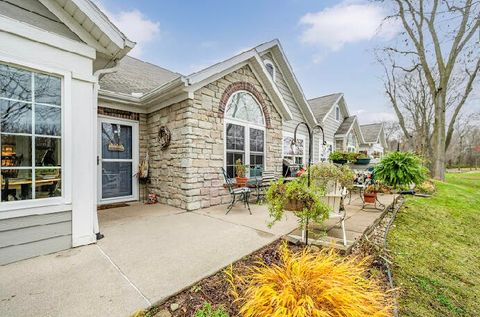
(188, 173)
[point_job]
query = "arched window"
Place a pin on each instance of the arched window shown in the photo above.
(244, 134)
(270, 68)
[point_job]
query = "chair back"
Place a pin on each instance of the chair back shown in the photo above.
(332, 201)
(268, 177)
(228, 181)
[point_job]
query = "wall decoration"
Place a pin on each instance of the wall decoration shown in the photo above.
(164, 137)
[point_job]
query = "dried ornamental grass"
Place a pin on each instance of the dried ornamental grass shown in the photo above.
(306, 284)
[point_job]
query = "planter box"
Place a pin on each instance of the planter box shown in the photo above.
(343, 161)
(363, 161)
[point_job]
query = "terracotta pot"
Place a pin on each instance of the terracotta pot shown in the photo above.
(370, 197)
(241, 181)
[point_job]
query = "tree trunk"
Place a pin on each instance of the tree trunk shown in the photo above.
(438, 166)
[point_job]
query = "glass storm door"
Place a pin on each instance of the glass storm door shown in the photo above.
(118, 161)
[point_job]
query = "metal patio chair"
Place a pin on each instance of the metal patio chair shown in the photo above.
(242, 192)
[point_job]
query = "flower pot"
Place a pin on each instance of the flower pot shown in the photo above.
(294, 205)
(241, 181)
(341, 161)
(370, 197)
(362, 161)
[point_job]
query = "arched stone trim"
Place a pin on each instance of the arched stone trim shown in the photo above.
(241, 85)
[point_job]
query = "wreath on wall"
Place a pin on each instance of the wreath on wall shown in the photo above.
(164, 137)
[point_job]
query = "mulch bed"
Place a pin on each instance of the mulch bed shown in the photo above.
(215, 289)
(110, 206)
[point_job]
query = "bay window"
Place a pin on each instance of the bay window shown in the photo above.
(244, 134)
(30, 134)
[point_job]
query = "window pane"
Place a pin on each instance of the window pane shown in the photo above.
(16, 150)
(15, 83)
(16, 184)
(48, 151)
(16, 117)
(48, 120)
(116, 179)
(243, 106)
(256, 140)
(116, 141)
(48, 183)
(270, 69)
(235, 137)
(48, 89)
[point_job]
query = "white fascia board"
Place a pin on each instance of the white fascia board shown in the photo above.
(41, 36)
(291, 79)
(118, 97)
(103, 23)
(271, 88)
(218, 68)
(73, 25)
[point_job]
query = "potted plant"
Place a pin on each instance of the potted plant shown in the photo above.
(398, 169)
(305, 202)
(351, 156)
(338, 157)
(370, 194)
(241, 170)
(362, 159)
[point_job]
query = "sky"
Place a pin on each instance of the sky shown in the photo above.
(330, 44)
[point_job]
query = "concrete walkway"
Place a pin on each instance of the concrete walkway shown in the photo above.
(148, 254)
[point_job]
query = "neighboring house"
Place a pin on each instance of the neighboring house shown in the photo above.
(51, 54)
(375, 143)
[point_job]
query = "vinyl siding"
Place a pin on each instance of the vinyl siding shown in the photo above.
(330, 127)
(26, 237)
(289, 126)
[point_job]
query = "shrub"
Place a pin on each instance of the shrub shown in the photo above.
(401, 168)
(427, 187)
(337, 155)
(208, 311)
(308, 284)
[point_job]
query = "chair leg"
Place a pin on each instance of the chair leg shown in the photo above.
(231, 204)
(247, 196)
(344, 232)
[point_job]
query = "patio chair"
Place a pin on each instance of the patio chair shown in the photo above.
(333, 200)
(242, 192)
(264, 183)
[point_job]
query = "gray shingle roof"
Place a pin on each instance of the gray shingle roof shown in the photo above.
(371, 131)
(321, 105)
(136, 76)
(345, 125)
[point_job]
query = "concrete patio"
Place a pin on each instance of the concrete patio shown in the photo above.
(149, 253)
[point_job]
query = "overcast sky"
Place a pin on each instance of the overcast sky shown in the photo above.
(328, 43)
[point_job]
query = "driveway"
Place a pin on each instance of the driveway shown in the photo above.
(148, 254)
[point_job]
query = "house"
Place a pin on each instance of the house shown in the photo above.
(375, 143)
(342, 130)
(78, 116)
(51, 56)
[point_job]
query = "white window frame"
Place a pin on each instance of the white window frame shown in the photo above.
(19, 206)
(247, 125)
(351, 148)
(269, 62)
(337, 113)
(135, 159)
(305, 147)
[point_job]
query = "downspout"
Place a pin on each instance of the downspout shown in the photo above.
(96, 88)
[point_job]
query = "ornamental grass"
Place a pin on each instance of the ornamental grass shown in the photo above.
(303, 284)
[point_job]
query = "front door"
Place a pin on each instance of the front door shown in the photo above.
(117, 160)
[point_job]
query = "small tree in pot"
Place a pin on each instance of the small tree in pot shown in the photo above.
(401, 169)
(241, 170)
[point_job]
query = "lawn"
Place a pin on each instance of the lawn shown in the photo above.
(435, 244)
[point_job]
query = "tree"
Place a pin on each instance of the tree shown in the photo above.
(439, 41)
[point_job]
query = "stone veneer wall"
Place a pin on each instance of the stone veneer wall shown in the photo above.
(188, 173)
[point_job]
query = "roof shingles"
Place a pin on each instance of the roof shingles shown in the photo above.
(322, 105)
(371, 132)
(136, 76)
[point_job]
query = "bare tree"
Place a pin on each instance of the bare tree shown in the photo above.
(440, 39)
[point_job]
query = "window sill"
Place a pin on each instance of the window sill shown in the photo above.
(27, 208)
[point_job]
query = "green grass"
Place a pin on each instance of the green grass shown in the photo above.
(435, 243)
